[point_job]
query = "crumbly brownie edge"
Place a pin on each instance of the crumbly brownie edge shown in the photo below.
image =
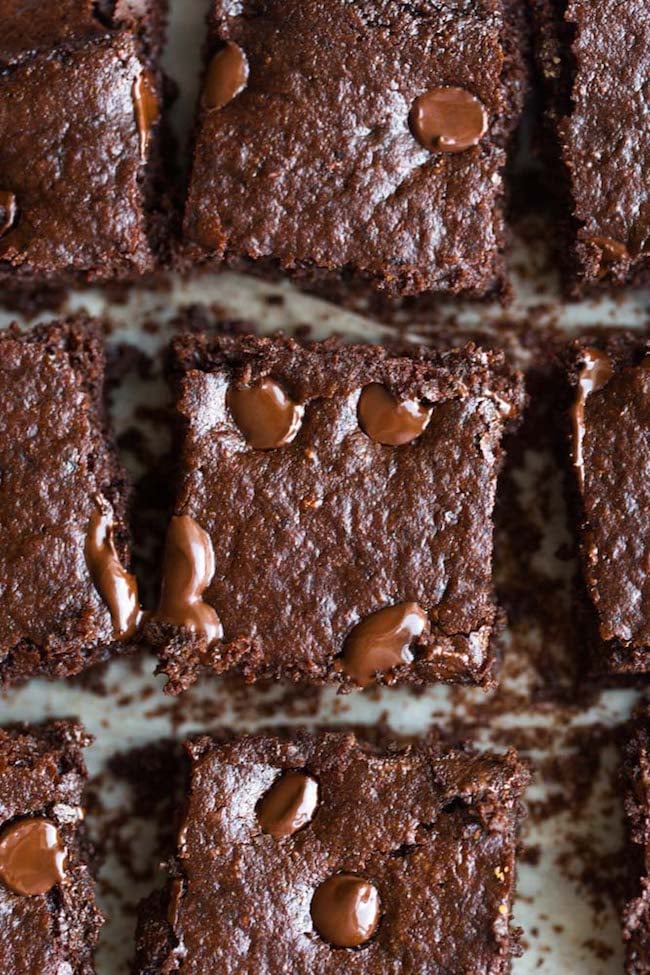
(635, 779)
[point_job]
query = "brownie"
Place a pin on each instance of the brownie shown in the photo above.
(376, 155)
(636, 783)
(333, 521)
(82, 175)
(610, 449)
(320, 854)
(594, 57)
(49, 922)
(66, 597)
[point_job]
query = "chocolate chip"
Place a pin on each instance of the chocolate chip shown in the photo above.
(389, 421)
(8, 211)
(596, 371)
(147, 108)
(383, 641)
(288, 805)
(227, 75)
(187, 572)
(611, 251)
(265, 414)
(117, 587)
(448, 120)
(32, 857)
(345, 910)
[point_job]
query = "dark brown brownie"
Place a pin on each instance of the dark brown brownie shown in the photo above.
(636, 782)
(302, 547)
(320, 854)
(594, 56)
(360, 139)
(82, 194)
(66, 600)
(49, 923)
(610, 428)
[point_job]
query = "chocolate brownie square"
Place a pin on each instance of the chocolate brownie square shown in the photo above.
(49, 922)
(320, 854)
(66, 598)
(81, 169)
(333, 522)
(610, 443)
(636, 782)
(594, 56)
(361, 139)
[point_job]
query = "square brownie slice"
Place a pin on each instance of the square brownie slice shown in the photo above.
(66, 598)
(610, 443)
(636, 782)
(49, 923)
(377, 155)
(333, 522)
(594, 57)
(320, 854)
(82, 195)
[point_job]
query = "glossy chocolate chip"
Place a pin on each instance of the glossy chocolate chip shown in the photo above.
(32, 856)
(226, 77)
(264, 413)
(383, 641)
(147, 108)
(188, 569)
(390, 421)
(117, 587)
(611, 251)
(8, 211)
(345, 910)
(448, 120)
(288, 805)
(595, 372)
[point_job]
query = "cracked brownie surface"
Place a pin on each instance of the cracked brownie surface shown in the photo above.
(314, 536)
(424, 838)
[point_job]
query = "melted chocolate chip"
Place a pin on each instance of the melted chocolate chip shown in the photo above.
(265, 414)
(389, 421)
(8, 211)
(345, 910)
(32, 857)
(383, 641)
(117, 587)
(288, 805)
(147, 108)
(227, 76)
(611, 251)
(448, 120)
(595, 373)
(187, 572)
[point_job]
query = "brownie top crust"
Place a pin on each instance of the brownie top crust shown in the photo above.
(376, 869)
(611, 455)
(48, 920)
(337, 520)
(62, 500)
(327, 139)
